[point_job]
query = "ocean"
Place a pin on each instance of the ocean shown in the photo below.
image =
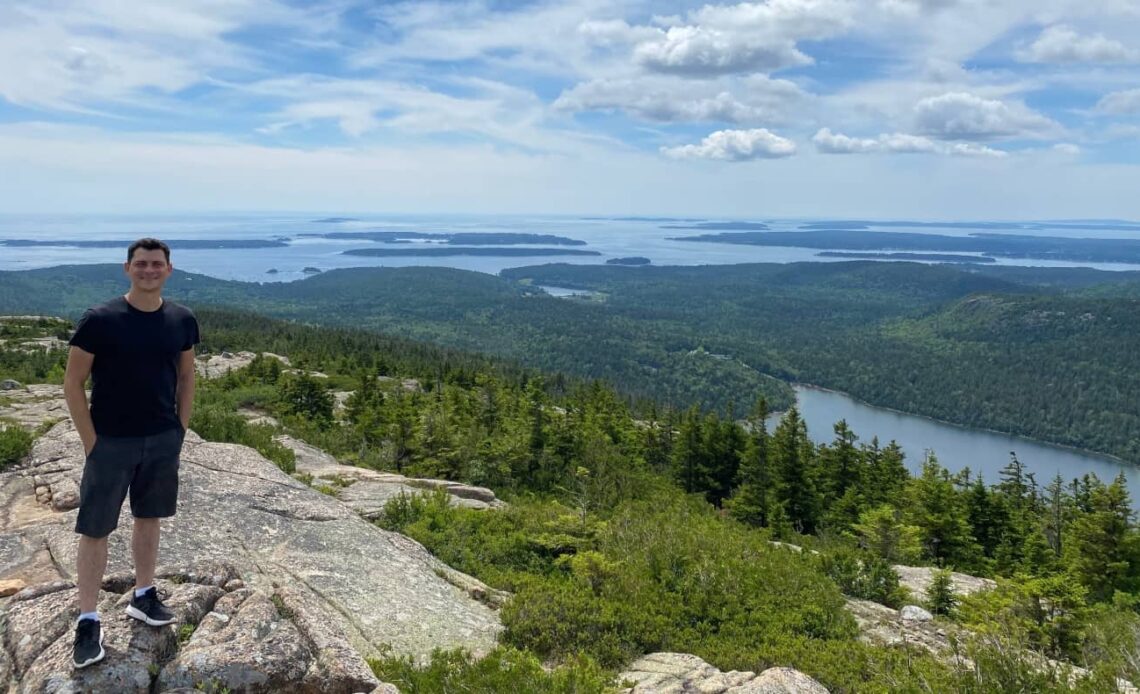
(305, 248)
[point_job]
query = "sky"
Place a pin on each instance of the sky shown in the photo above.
(888, 109)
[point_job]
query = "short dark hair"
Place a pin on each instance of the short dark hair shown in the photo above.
(148, 244)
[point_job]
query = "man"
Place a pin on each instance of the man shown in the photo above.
(139, 351)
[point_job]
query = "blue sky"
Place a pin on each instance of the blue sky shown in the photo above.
(881, 108)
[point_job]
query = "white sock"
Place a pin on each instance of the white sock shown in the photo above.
(139, 592)
(88, 615)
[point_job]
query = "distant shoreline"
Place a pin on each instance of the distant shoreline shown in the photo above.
(438, 251)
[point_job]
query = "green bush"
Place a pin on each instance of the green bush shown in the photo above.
(215, 423)
(862, 574)
(15, 443)
(501, 670)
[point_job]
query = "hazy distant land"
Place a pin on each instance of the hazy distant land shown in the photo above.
(444, 250)
(1057, 225)
(123, 243)
(722, 226)
(992, 244)
(931, 257)
(468, 238)
(631, 260)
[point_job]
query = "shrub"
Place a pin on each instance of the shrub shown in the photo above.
(862, 574)
(214, 423)
(502, 670)
(15, 443)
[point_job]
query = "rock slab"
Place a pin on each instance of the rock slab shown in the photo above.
(682, 673)
(383, 590)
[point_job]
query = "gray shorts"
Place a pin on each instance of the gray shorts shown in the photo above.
(146, 466)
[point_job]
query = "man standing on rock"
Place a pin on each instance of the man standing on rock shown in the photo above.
(139, 351)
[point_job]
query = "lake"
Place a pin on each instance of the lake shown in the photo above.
(956, 447)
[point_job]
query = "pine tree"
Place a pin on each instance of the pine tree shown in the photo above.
(1103, 547)
(792, 456)
(937, 509)
(940, 597)
(751, 500)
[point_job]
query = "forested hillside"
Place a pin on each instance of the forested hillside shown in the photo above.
(1045, 353)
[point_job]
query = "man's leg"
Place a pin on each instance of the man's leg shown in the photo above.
(144, 545)
(90, 564)
(154, 495)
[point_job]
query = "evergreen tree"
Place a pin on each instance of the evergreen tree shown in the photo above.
(937, 509)
(688, 453)
(1103, 547)
(792, 456)
(883, 532)
(751, 500)
(940, 597)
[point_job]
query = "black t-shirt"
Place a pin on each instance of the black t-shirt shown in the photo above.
(135, 373)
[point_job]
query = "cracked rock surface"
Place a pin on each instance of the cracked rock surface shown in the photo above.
(243, 640)
(381, 589)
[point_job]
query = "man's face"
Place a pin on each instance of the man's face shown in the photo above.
(148, 270)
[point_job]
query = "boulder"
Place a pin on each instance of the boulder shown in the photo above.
(914, 613)
(10, 384)
(669, 673)
(383, 590)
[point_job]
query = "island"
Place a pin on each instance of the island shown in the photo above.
(335, 220)
(459, 238)
(632, 260)
(311, 270)
(1067, 248)
(928, 257)
(438, 251)
(271, 271)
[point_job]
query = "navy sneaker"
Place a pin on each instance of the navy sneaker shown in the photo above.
(88, 643)
(150, 609)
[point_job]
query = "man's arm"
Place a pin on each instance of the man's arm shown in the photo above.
(185, 394)
(79, 363)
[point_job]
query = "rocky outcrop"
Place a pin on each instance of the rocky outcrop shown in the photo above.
(237, 640)
(917, 579)
(367, 491)
(883, 626)
(215, 365)
(679, 673)
(33, 405)
(383, 590)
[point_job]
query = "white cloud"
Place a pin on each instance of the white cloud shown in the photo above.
(830, 142)
(835, 143)
(965, 116)
(743, 38)
(1120, 103)
(902, 143)
(700, 52)
(663, 99)
(614, 32)
(970, 149)
(1067, 148)
(1062, 44)
(736, 145)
